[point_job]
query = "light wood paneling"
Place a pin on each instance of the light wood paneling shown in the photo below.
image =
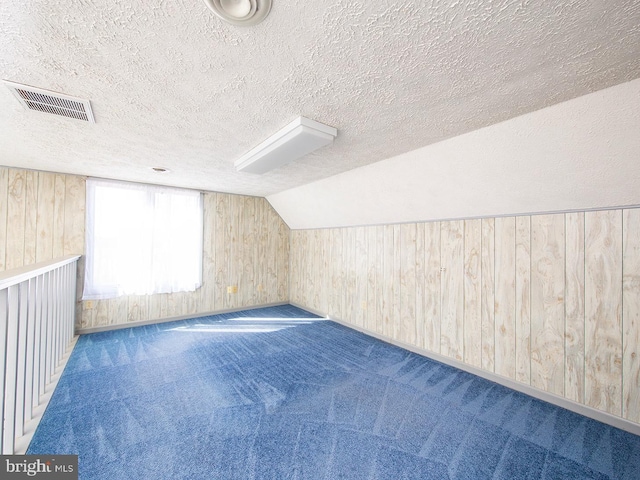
(222, 252)
(16, 205)
(380, 285)
(523, 299)
(452, 290)
(631, 316)
(361, 277)
(510, 299)
(488, 294)
(335, 289)
(396, 301)
(603, 310)
(420, 317)
(42, 216)
(390, 284)
(281, 253)
(46, 198)
(351, 301)
(472, 292)
(372, 312)
(31, 218)
(4, 199)
(408, 283)
(547, 302)
(432, 287)
(574, 307)
(74, 214)
(59, 214)
(505, 296)
(324, 267)
(207, 291)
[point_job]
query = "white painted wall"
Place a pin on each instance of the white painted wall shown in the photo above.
(576, 155)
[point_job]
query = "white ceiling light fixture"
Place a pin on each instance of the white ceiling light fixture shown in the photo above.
(300, 137)
(240, 12)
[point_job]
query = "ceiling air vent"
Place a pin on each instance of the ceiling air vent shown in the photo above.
(33, 98)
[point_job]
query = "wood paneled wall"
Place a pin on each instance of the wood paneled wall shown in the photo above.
(551, 301)
(246, 244)
(41, 216)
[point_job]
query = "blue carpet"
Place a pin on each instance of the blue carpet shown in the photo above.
(276, 393)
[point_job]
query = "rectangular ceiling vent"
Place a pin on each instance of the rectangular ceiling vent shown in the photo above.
(41, 100)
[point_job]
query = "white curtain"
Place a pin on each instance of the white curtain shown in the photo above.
(141, 240)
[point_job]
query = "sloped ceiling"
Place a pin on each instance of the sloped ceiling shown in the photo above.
(173, 86)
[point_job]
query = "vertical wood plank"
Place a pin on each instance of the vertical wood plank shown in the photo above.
(505, 296)
(324, 269)
(350, 292)
(420, 285)
(88, 317)
(408, 284)
(74, 214)
(452, 289)
(222, 251)
(361, 277)
(311, 260)
(603, 310)
(574, 307)
(16, 205)
(248, 227)
(379, 267)
(295, 266)
(138, 308)
(523, 299)
(389, 282)
(45, 217)
(120, 311)
(30, 217)
(154, 304)
(101, 313)
(488, 294)
(273, 242)
(547, 302)
(208, 264)
(235, 264)
(432, 287)
(58, 215)
(371, 311)
(397, 269)
(4, 198)
(472, 292)
(631, 316)
(334, 275)
(282, 255)
(261, 251)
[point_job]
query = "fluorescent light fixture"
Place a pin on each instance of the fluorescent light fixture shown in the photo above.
(300, 137)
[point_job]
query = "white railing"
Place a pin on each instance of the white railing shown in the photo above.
(37, 317)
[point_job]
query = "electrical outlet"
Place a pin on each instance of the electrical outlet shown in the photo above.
(232, 289)
(88, 305)
(364, 305)
(260, 287)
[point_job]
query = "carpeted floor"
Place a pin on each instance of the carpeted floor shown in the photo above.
(278, 394)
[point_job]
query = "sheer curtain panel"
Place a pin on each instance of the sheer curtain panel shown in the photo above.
(141, 240)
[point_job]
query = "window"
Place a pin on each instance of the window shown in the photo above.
(141, 240)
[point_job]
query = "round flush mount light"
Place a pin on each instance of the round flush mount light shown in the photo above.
(240, 12)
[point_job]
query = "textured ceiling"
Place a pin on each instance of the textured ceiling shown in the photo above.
(173, 86)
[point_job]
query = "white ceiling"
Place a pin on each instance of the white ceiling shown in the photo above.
(173, 86)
